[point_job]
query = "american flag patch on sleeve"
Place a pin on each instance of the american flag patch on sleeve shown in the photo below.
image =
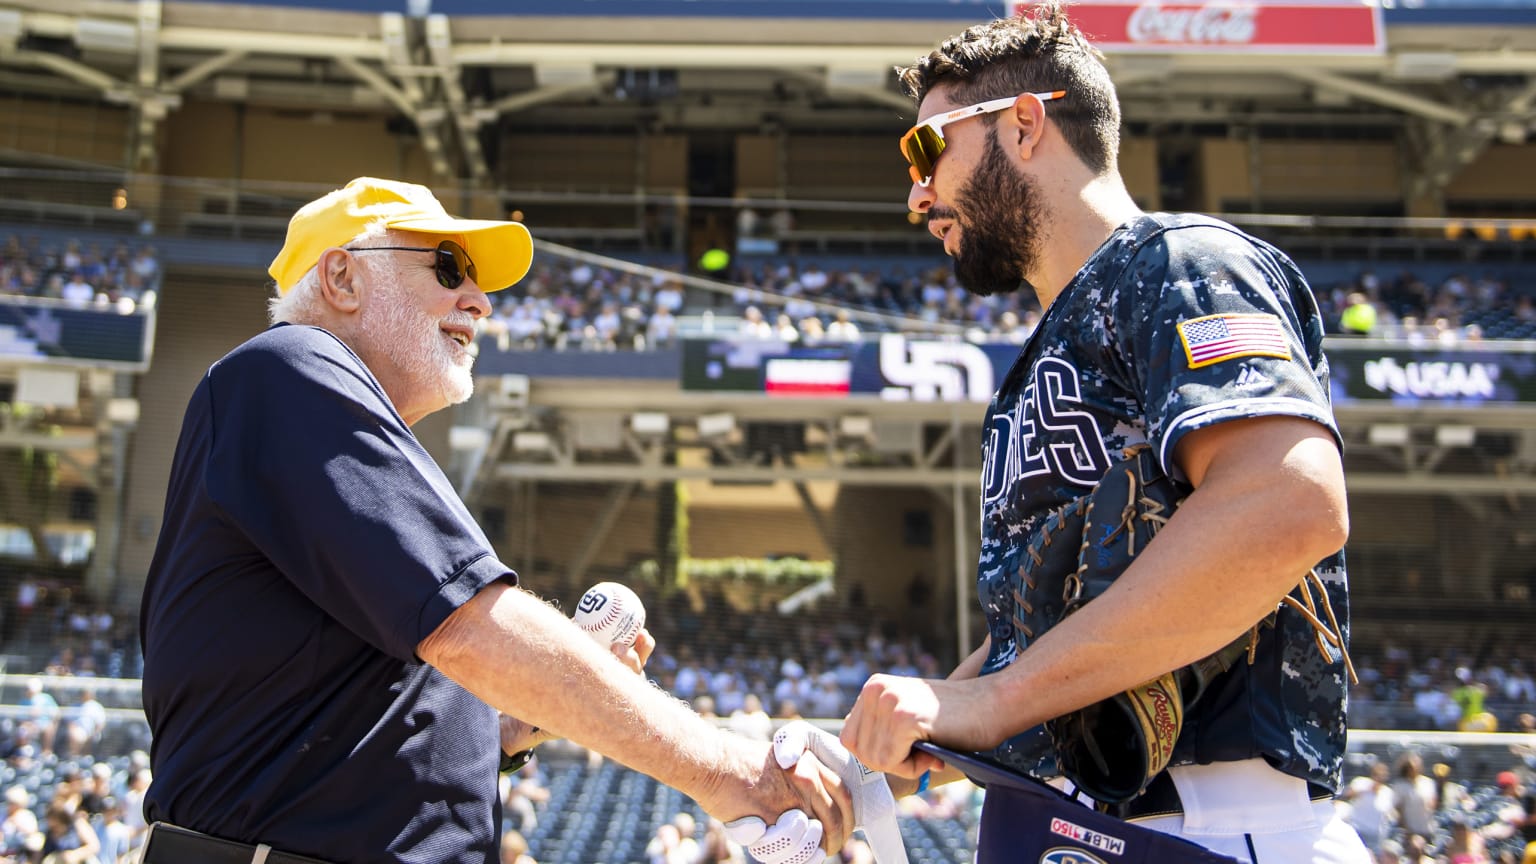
(1215, 338)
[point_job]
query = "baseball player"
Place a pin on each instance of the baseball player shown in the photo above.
(1175, 332)
(328, 635)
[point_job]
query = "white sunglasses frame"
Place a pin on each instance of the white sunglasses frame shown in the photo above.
(938, 123)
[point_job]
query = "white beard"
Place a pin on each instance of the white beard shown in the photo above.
(415, 343)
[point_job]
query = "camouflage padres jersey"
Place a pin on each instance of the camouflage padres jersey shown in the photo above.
(1177, 322)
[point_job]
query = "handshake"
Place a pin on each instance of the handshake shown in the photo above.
(614, 617)
(796, 838)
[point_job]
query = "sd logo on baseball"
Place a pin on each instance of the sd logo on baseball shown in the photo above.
(610, 613)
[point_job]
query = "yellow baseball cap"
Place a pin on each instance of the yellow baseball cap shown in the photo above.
(502, 251)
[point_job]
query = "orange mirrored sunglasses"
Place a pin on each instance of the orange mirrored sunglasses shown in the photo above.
(924, 143)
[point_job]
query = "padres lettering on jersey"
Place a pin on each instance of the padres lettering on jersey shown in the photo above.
(1176, 323)
(1047, 433)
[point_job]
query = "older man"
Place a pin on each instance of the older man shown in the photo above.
(328, 635)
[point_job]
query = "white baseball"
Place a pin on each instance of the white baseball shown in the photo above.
(610, 613)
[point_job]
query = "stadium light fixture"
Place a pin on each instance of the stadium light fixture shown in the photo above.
(1388, 435)
(532, 442)
(650, 423)
(467, 439)
(858, 426)
(1455, 436)
(716, 425)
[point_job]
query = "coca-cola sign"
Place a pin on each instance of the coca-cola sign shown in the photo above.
(1316, 27)
(1153, 23)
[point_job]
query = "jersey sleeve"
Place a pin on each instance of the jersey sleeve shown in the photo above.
(1214, 327)
(311, 463)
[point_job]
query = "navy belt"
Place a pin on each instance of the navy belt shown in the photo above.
(171, 844)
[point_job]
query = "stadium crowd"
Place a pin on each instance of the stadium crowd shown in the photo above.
(752, 670)
(567, 304)
(573, 305)
(81, 275)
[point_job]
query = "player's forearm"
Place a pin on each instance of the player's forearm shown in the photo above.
(1226, 558)
(526, 659)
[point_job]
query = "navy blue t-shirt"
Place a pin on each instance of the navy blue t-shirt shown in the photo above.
(1176, 323)
(309, 545)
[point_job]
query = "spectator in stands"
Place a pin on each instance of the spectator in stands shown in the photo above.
(1469, 696)
(68, 835)
(116, 838)
(842, 328)
(370, 325)
(661, 329)
(146, 268)
(133, 805)
(1414, 797)
(751, 721)
(668, 846)
(89, 720)
(784, 329)
(1359, 316)
(77, 292)
(1372, 807)
(1466, 845)
(1508, 809)
(42, 713)
(19, 826)
(514, 849)
(606, 325)
(717, 847)
(811, 331)
(753, 325)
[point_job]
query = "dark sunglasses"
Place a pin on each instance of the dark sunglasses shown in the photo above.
(924, 143)
(451, 263)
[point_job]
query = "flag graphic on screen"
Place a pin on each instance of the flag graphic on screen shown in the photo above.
(1215, 338)
(793, 376)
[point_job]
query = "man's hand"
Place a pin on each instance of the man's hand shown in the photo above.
(892, 713)
(761, 790)
(874, 807)
(794, 839)
(635, 655)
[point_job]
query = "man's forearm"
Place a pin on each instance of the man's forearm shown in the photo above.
(525, 659)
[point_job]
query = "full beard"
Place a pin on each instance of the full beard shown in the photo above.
(1000, 227)
(415, 344)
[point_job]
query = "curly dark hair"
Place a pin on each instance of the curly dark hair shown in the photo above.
(1035, 51)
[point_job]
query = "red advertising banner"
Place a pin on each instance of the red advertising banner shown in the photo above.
(1224, 26)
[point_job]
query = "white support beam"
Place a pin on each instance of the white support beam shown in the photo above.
(440, 52)
(149, 110)
(112, 88)
(529, 98)
(149, 43)
(425, 117)
(670, 55)
(383, 86)
(277, 43)
(1380, 95)
(1451, 153)
(196, 73)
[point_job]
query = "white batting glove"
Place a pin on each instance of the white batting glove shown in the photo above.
(794, 839)
(874, 807)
